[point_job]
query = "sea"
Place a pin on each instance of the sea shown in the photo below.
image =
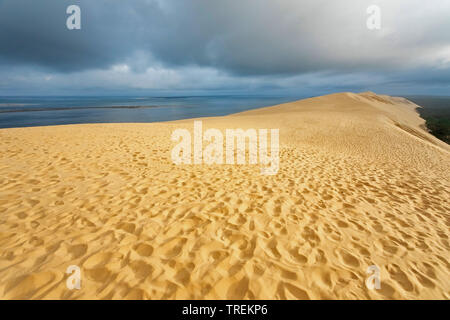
(47, 111)
(59, 110)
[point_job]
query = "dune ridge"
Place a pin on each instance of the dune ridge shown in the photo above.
(361, 183)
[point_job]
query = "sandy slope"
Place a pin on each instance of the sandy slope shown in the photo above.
(360, 183)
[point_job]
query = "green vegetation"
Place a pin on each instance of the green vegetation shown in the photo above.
(440, 128)
(436, 112)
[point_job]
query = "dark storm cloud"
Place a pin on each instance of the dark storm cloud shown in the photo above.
(34, 32)
(259, 43)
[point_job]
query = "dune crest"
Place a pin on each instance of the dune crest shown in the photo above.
(361, 183)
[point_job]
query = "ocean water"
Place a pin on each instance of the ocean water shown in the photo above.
(45, 111)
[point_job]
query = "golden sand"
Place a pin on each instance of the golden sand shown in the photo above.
(360, 183)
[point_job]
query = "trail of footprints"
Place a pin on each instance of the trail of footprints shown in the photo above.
(309, 232)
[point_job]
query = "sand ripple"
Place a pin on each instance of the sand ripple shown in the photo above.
(360, 183)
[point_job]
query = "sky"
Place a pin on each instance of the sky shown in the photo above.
(196, 47)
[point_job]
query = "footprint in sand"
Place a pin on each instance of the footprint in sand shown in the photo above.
(28, 286)
(238, 290)
(400, 277)
(348, 259)
(77, 250)
(144, 250)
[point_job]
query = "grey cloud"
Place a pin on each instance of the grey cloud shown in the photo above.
(34, 32)
(256, 43)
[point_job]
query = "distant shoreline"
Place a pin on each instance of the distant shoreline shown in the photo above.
(76, 108)
(435, 110)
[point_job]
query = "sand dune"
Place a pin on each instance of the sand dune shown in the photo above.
(360, 183)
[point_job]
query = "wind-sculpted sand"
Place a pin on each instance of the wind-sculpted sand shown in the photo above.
(360, 183)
